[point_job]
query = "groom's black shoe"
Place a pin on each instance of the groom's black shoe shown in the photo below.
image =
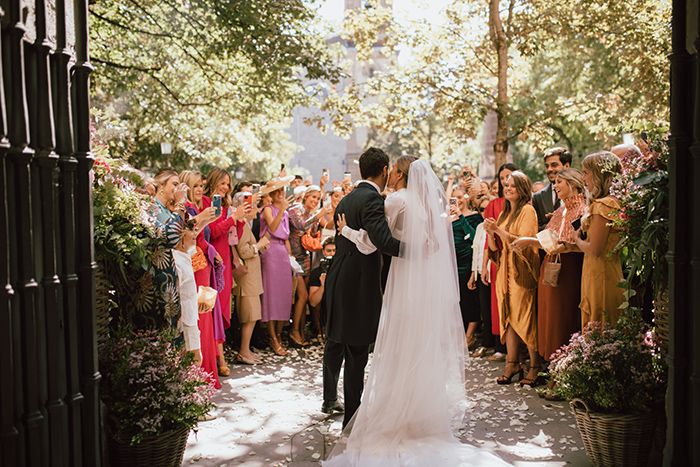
(330, 407)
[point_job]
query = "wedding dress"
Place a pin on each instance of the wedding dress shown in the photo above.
(414, 399)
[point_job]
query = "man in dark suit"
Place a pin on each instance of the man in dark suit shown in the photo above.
(353, 294)
(546, 200)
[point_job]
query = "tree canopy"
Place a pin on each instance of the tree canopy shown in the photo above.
(215, 78)
(578, 73)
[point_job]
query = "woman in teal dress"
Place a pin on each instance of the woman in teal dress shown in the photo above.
(464, 223)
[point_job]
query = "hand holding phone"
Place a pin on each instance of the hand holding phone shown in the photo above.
(576, 223)
(216, 202)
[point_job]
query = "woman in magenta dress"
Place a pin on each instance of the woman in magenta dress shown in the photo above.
(276, 268)
(202, 275)
(493, 211)
(222, 229)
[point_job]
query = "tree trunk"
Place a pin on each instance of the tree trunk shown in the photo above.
(500, 43)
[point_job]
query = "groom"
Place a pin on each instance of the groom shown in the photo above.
(353, 294)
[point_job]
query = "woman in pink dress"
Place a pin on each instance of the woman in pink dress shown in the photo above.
(202, 275)
(276, 268)
(223, 230)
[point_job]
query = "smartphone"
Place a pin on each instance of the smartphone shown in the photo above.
(576, 223)
(453, 201)
(347, 176)
(248, 199)
(216, 202)
(256, 187)
(282, 166)
(325, 173)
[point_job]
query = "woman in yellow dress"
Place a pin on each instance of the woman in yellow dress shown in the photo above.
(516, 280)
(602, 268)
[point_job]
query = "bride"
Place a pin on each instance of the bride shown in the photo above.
(414, 399)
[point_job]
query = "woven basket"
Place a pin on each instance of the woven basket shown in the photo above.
(165, 450)
(614, 439)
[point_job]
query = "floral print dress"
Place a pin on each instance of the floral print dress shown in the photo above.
(158, 305)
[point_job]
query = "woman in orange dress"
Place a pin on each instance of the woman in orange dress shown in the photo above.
(516, 280)
(602, 267)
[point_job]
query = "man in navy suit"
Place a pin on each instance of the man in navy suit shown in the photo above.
(353, 295)
(546, 200)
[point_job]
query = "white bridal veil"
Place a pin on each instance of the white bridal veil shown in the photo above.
(415, 396)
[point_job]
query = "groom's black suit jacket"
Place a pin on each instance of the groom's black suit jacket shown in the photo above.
(353, 293)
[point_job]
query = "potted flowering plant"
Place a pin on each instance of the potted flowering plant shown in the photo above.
(153, 395)
(613, 377)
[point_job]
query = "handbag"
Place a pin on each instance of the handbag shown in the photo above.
(551, 272)
(312, 242)
(239, 268)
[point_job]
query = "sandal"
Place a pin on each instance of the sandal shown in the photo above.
(279, 350)
(506, 378)
(247, 360)
(296, 343)
(224, 370)
(532, 382)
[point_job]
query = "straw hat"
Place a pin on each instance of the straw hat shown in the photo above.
(275, 184)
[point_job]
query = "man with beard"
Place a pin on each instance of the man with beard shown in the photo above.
(546, 201)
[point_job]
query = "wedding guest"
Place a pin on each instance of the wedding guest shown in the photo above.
(204, 260)
(488, 342)
(276, 268)
(516, 280)
(187, 289)
(493, 210)
(223, 234)
(249, 286)
(303, 219)
(537, 186)
(545, 201)
(602, 267)
(317, 279)
(557, 306)
(326, 221)
(168, 211)
(464, 223)
(495, 187)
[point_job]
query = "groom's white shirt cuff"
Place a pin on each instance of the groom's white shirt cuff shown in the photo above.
(360, 238)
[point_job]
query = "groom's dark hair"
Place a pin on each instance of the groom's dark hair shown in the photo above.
(372, 162)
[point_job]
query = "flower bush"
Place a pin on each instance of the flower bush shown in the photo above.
(615, 370)
(150, 387)
(642, 190)
(127, 240)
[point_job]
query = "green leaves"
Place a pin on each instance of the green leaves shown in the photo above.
(217, 79)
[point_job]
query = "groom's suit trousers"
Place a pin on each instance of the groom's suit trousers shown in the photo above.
(355, 357)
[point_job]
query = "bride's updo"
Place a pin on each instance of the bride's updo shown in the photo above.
(403, 165)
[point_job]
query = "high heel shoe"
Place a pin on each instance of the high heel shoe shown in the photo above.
(506, 378)
(532, 382)
(278, 349)
(224, 370)
(297, 344)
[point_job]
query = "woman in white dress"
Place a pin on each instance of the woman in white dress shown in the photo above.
(414, 399)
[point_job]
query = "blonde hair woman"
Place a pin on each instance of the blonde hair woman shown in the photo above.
(516, 279)
(557, 307)
(602, 268)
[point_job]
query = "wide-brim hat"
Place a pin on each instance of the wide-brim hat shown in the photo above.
(275, 184)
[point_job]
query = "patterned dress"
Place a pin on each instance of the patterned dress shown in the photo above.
(159, 303)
